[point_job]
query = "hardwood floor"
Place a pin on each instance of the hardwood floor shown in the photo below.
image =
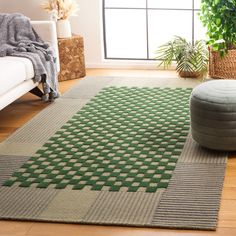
(19, 112)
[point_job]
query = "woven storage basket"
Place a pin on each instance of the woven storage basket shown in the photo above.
(222, 68)
(187, 74)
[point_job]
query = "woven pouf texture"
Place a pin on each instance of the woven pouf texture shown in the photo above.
(213, 114)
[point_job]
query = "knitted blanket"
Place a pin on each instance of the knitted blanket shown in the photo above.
(19, 39)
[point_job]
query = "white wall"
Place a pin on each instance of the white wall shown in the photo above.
(88, 24)
(30, 8)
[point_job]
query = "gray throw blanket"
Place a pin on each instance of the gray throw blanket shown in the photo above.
(19, 39)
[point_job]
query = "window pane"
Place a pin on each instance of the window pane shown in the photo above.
(199, 30)
(126, 33)
(126, 3)
(179, 4)
(163, 28)
(197, 4)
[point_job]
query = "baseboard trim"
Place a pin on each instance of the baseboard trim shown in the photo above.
(118, 64)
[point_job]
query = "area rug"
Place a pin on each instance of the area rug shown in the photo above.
(113, 155)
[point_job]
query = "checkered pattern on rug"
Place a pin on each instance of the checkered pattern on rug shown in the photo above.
(124, 139)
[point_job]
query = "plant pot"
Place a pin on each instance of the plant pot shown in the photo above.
(222, 68)
(187, 74)
(63, 29)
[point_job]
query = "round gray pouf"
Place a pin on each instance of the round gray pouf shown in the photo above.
(213, 114)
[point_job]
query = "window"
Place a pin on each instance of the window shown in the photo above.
(133, 29)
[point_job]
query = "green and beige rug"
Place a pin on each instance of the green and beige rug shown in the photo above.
(114, 155)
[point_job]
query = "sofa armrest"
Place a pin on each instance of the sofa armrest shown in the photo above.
(47, 31)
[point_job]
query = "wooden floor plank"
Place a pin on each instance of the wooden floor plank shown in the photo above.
(229, 193)
(14, 228)
(42, 229)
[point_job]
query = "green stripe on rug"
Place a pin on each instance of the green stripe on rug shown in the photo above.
(124, 139)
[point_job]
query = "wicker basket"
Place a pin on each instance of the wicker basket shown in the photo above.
(222, 68)
(187, 74)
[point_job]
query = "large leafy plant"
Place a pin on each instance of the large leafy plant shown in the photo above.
(189, 57)
(219, 17)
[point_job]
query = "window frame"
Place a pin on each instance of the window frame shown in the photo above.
(193, 10)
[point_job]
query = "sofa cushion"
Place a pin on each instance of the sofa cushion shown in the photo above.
(13, 71)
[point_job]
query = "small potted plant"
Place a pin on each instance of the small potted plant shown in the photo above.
(191, 60)
(219, 18)
(60, 11)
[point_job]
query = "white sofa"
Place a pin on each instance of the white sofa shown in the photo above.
(16, 73)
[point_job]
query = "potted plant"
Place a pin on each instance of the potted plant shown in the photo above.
(219, 18)
(60, 11)
(191, 60)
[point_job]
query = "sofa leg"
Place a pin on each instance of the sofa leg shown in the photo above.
(37, 92)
